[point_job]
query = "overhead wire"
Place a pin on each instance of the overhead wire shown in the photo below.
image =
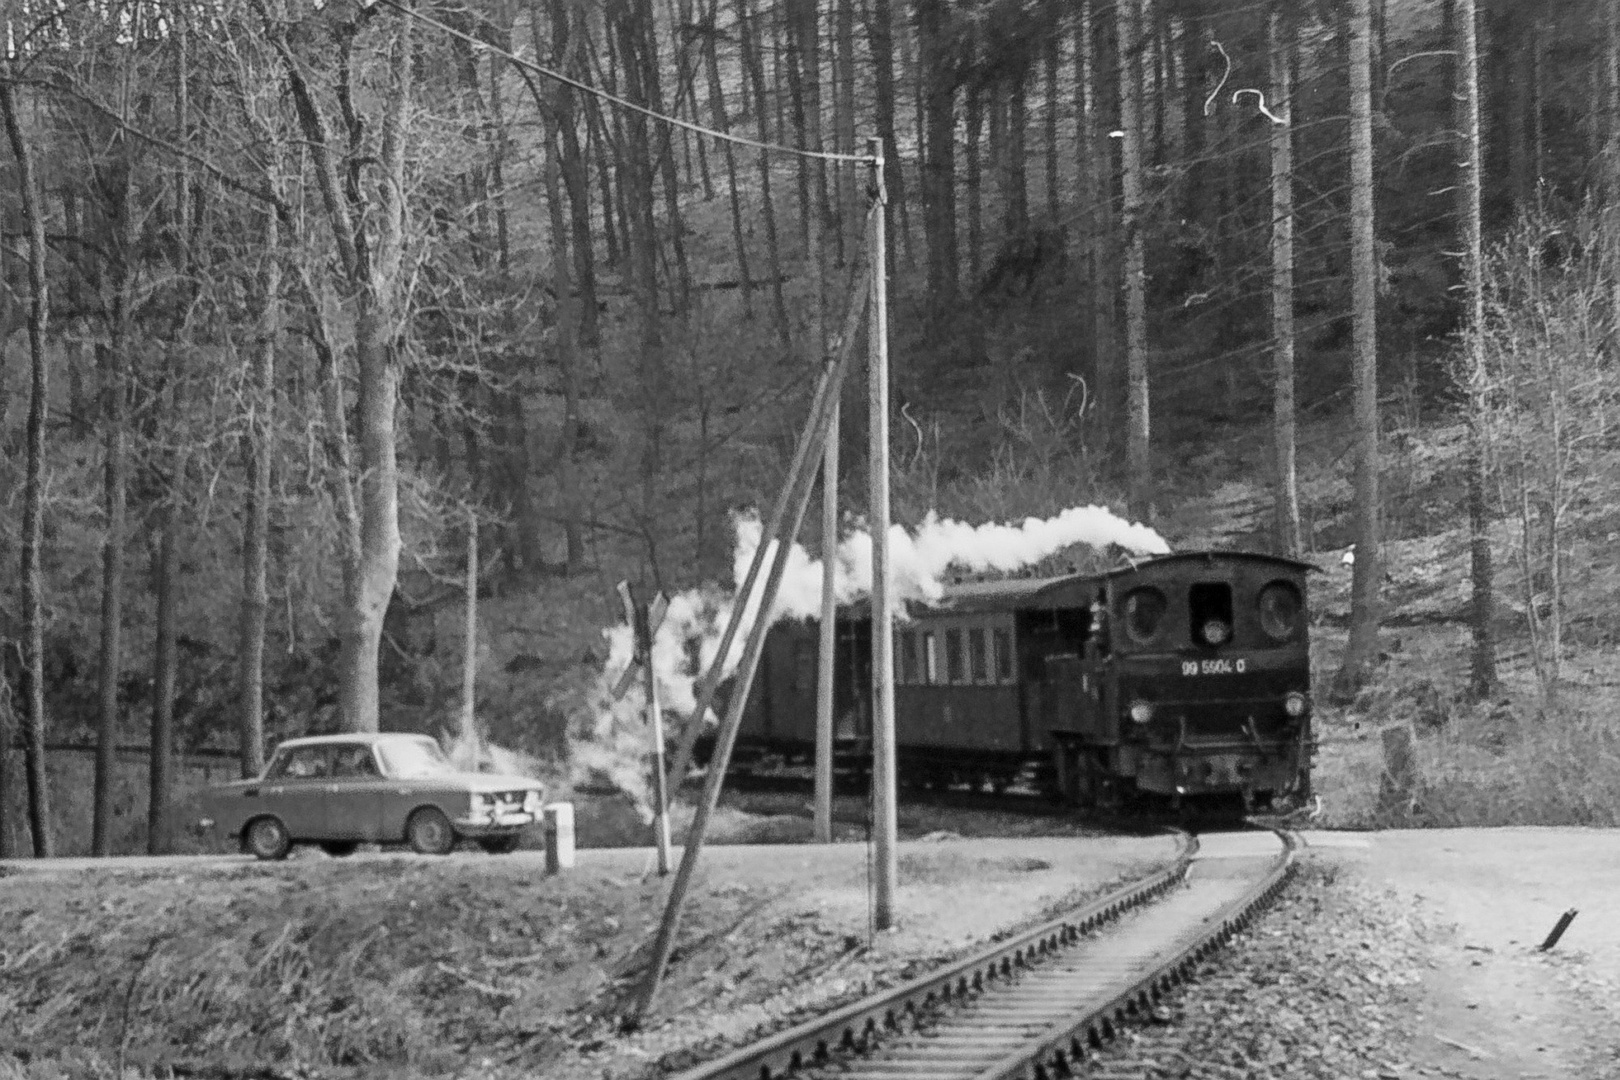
(625, 103)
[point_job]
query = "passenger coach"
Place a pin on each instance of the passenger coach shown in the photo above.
(1182, 676)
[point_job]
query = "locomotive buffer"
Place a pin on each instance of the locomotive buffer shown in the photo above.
(644, 621)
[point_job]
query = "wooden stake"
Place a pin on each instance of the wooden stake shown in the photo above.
(826, 654)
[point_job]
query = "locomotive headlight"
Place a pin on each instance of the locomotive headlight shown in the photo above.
(1294, 704)
(1141, 712)
(1216, 632)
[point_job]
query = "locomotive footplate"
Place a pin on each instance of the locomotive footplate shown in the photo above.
(1195, 770)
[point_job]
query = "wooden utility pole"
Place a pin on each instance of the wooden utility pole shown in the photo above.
(827, 652)
(883, 762)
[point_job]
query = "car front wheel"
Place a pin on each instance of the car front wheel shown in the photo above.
(428, 832)
(267, 838)
(500, 845)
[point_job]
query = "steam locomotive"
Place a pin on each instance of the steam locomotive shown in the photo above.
(1185, 676)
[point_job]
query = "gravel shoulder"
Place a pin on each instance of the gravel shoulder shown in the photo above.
(1493, 1005)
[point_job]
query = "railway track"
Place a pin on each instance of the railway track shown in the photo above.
(1037, 1004)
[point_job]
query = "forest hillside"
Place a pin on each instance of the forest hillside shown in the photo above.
(307, 308)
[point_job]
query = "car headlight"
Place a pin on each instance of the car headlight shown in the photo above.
(1141, 712)
(531, 802)
(1294, 704)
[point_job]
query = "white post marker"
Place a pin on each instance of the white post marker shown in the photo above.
(559, 836)
(644, 623)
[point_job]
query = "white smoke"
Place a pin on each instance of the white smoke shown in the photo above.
(688, 640)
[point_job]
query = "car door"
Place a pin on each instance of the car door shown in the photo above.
(296, 790)
(354, 795)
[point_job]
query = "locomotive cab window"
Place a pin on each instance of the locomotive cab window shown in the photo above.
(1281, 611)
(1209, 603)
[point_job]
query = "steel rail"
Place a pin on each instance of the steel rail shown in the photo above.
(854, 1025)
(1069, 1041)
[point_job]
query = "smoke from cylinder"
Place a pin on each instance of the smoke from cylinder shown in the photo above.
(688, 640)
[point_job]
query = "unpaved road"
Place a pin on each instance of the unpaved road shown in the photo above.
(1493, 1005)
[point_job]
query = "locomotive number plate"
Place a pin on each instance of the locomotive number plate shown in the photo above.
(1214, 667)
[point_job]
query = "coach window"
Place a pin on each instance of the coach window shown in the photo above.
(804, 666)
(978, 663)
(908, 656)
(955, 670)
(930, 658)
(1004, 656)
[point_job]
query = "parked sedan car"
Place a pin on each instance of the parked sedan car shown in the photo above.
(340, 791)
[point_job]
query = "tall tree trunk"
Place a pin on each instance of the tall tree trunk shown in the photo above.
(1015, 185)
(1281, 32)
(160, 755)
(799, 76)
(570, 327)
(880, 40)
(974, 106)
(848, 184)
(754, 72)
(1054, 59)
(256, 516)
(938, 72)
(1096, 220)
(1367, 572)
(722, 123)
(33, 589)
(1138, 463)
(1611, 170)
(1482, 571)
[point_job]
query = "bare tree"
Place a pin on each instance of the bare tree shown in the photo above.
(369, 235)
(33, 641)
(1366, 574)
(1482, 612)
(1281, 33)
(1138, 450)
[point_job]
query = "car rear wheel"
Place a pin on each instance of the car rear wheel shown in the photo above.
(428, 832)
(499, 845)
(267, 838)
(340, 848)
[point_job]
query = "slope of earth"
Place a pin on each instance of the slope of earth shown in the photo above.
(470, 965)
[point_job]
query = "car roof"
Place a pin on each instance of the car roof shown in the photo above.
(350, 739)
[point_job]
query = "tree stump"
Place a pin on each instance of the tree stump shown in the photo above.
(1397, 791)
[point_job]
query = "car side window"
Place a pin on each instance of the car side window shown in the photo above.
(354, 761)
(304, 763)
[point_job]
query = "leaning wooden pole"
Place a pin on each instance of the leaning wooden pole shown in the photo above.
(827, 651)
(798, 501)
(883, 757)
(711, 680)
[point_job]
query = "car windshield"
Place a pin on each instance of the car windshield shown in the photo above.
(411, 758)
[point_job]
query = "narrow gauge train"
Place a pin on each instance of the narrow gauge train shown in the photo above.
(1182, 676)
